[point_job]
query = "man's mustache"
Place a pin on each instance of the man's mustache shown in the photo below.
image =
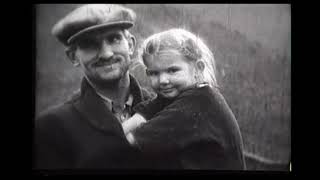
(106, 61)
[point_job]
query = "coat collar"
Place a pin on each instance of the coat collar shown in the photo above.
(92, 107)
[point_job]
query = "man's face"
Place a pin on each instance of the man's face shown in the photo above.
(104, 56)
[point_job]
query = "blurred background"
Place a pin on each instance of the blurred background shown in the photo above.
(252, 48)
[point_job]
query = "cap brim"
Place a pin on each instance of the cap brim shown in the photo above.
(121, 24)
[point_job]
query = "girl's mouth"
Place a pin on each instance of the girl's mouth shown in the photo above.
(166, 90)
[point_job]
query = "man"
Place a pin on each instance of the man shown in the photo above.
(86, 131)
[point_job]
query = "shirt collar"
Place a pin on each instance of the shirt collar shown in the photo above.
(135, 90)
(109, 102)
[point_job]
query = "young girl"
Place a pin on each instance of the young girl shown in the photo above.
(189, 124)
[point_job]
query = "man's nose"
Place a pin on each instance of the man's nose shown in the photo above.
(163, 78)
(105, 50)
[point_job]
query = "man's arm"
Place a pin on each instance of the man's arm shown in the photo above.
(46, 149)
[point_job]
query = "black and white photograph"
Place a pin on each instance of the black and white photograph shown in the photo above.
(162, 87)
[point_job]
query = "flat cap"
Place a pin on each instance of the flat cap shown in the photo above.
(91, 17)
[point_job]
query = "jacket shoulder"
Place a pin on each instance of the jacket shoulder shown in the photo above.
(200, 97)
(55, 115)
(62, 108)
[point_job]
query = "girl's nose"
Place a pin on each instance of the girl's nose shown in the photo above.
(163, 79)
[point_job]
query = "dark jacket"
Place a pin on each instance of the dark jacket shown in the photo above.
(197, 130)
(83, 133)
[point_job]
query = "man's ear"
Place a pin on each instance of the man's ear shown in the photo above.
(132, 44)
(71, 54)
(200, 65)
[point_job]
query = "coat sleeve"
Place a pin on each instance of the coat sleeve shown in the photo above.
(207, 154)
(150, 107)
(168, 130)
(47, 152)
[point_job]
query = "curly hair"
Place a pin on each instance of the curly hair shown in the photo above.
(186, 43)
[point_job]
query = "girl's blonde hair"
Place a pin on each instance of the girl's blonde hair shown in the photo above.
(186, 43)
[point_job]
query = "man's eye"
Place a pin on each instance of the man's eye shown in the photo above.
(88, 44)
(116, 38)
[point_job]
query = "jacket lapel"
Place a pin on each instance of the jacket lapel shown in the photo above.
(135, 91)
(92, 108)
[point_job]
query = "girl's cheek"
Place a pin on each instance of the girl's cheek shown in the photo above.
(154, 83)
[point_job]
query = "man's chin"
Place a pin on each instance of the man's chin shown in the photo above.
(111, 76)
(169, 95)
(107, 80)
(111, 79)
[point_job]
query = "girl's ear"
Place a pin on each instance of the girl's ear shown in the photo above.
(71, 54)
(200, 65)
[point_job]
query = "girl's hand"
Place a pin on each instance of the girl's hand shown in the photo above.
(132, 123)
(130, 138)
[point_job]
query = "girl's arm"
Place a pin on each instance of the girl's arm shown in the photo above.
(168, 129)
(132, 123)
(131, 139)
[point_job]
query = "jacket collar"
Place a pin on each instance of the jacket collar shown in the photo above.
(92, 107)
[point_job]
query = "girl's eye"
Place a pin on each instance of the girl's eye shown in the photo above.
(151, 73)
(173, 70)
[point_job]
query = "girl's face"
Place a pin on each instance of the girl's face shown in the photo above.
(170, 73)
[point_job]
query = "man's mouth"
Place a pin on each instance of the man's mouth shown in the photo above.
(107, 62)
